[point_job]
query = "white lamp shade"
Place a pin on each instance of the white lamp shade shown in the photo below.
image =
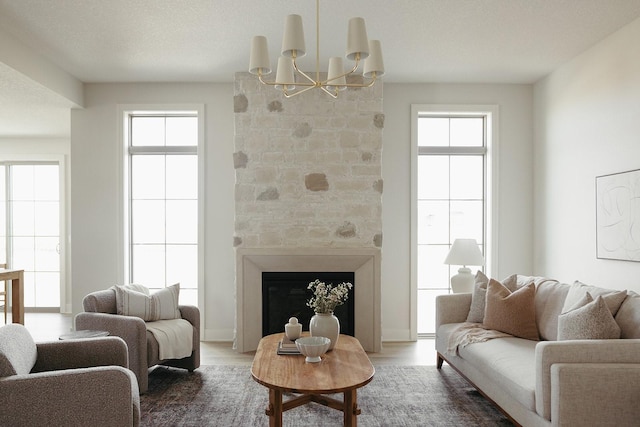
(259, 59)
(293, 38)
(464, 252)
(284, 74)
(336, 69)
(357, 41)
(374, 63)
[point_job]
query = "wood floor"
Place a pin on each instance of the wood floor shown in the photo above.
(49, 326)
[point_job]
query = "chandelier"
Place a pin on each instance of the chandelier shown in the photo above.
(359, 48)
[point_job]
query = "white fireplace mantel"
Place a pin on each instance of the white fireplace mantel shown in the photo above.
(363, 262)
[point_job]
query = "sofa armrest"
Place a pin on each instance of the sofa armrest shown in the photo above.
(548, 353)
(85, 353)
(131, 329)
(89, 396)
(191, 314)
(595, 394)
(452, 308)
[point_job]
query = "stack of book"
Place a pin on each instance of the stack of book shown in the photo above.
(286, 346)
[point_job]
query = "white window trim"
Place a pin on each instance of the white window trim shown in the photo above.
(491, 191)
(124, 110)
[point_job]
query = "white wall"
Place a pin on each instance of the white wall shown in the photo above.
(587, 124)
(515, 183)
(96, 193)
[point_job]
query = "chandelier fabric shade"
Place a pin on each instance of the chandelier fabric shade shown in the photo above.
(293, 38)
(259, 62)
(335, 77)
(374, 65)
(357, 40)
(284, 73)
(359, 49)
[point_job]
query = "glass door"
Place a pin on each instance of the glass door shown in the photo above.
(31, 232)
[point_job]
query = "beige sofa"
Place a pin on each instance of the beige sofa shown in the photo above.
(574, 382)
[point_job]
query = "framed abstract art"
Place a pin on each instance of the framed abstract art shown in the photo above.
(618, 216)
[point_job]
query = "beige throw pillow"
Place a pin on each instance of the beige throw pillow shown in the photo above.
(161, 305)
(479, 296)
(588, 319)
(511, 312)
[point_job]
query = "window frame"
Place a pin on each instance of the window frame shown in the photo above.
(490, 185)
(124, 113)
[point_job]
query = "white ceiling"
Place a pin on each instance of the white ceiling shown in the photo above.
(457, 41)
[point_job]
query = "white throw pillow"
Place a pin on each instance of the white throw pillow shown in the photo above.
(588, 319)
(161, 305)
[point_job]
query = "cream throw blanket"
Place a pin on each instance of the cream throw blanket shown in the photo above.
(175, 338)
(469, 333)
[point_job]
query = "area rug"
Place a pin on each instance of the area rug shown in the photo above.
(398, 396)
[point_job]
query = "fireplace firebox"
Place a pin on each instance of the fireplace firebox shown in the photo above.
(285, 294)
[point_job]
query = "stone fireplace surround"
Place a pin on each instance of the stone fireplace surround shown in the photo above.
(250, 263)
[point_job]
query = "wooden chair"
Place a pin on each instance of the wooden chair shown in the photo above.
(3, 296)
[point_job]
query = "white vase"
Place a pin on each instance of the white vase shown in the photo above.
(325, 325)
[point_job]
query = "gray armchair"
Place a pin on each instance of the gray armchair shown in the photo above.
(67, 383)
(100, 313)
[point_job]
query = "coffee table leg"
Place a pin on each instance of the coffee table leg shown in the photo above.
(275, 408)
(351, 410)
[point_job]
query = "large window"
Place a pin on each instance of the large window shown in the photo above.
(451, 195)
(162, 203)
(30, 228)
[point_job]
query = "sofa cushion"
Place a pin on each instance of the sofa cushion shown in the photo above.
(522, 280)
(550, 296)
(511, 364)
(18, 351)
(588, 319)
(511, 312)
(161, 305)
(579, 289)
(628, 316)
(478, 298)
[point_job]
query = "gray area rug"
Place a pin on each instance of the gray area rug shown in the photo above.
(397, 396)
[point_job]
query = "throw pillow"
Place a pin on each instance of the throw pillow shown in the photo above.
(161, 305)
(137, 287)
(577, 291)
(588, 319)
(479, 296)
(628, 317)
(511, 312)
(18, 351)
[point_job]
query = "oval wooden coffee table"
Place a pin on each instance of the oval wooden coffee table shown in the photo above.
(343, 370)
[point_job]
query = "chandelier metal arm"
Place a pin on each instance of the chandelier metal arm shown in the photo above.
(353, 70)
(315, 83)
(263, 81)
(291, 95)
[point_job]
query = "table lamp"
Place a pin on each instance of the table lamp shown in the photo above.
(464, 252)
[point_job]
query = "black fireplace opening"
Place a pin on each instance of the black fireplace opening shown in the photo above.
(285, 295)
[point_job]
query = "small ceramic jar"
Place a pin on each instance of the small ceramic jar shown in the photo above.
(293, 329)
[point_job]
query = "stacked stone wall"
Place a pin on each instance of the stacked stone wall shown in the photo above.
(308, 168)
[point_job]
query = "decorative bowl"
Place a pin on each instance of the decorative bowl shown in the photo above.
(313, 347)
